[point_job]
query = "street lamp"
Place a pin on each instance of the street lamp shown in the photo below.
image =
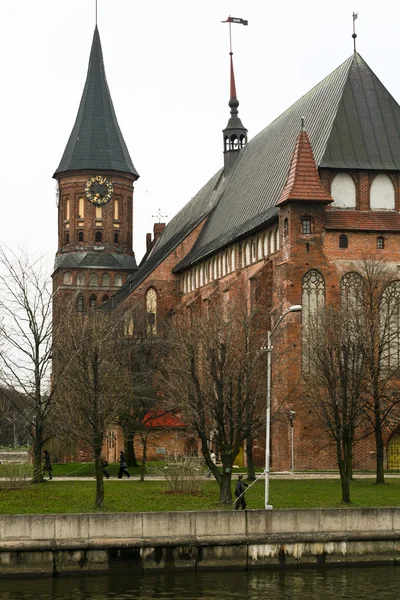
(268, 349)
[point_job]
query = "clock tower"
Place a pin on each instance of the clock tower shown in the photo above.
(95, 180)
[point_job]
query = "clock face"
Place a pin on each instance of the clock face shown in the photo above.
(99, 190)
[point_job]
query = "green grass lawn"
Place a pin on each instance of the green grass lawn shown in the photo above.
(127, 496)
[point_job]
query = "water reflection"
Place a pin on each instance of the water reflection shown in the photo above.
(356, 583)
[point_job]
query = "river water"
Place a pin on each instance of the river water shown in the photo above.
(372, 583)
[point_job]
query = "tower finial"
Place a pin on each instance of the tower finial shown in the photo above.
(96, 13)
(354, 36)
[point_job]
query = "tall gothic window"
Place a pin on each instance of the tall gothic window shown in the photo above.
(79, 304)
(106, 280)
(351, 291)
(390, 325)
(81, 208)
(151, 312)
(313, 302)
(93, 280)
(92, 302)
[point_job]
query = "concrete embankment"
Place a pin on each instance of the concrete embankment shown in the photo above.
(58, 544)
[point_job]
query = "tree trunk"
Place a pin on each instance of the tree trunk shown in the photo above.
(99, 476)
(144, 458)
(345, 481)
(130, 449)
(38, 444)
(251, 474)
(225, 491)
(380, 473)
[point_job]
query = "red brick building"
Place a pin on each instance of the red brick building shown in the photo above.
(287, 215)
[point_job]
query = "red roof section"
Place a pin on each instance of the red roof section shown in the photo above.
(366, 221)
(162, 419)
(303, 182)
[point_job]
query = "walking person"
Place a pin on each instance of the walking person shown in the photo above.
(103, 466)
(122, 466)
(239, 490)
(47, 464)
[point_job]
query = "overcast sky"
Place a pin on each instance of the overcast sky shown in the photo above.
(167, 66)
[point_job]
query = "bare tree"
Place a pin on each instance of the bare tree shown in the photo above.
(214, 372)
(140, 352)
(376, 294)
(92, 389)
(26, 345)
(336, 382)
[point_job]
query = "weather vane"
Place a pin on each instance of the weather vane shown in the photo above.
(159, 216)
(354, 36)
(231, 20)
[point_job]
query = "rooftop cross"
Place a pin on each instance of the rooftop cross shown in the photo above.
(159, 216)
(354, 36)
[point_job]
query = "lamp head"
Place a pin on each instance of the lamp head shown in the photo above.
(295, 308)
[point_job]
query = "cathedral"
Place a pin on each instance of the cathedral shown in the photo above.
(287, 215)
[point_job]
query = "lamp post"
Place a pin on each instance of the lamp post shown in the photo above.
(268, 349)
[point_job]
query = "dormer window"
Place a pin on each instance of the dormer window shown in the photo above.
(306, 225)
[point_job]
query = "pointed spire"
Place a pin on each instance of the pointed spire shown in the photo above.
(235, 134)
(96, 141)
(303, 182)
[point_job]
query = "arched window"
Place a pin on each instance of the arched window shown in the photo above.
(67, 209)
(343, 191)
(99, 212)
(306, 225)
(248, 254)
(67, 278)
(79, 304)
(106, 280)
(233, 265)
(66, 237)
(93, 300)
(219, 258)
(380, 242)
(390, 325)
(93, 280)
(98, 236)
(266, 248)
(343, 241)
(381, 194)
(277, 239)
(118, 280)
(223, 261)
(80, 237)
(201, 275)
(259, 248)
(81, 208)
(116, 237)
(116, 209)
(313, 303)
(151, 312)
(215, 268)
(104, 299)
(129, 326)
(234, 142)
(226, 139)
(271, 243)
(253, 251)
(351, 291)
(80, 279)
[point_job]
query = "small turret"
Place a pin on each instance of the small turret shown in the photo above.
(235, 135)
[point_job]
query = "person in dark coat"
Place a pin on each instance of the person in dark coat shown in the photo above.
(47, 464)
(103, 466)
(239, 489)
(122, 466)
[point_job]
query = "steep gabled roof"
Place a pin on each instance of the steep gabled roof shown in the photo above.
(96, 141)
(303, 183)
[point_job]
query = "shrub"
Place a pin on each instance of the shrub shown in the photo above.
(183, 473)
(15, 475)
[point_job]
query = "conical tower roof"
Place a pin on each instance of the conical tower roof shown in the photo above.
(303, 182)
(96, 141)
